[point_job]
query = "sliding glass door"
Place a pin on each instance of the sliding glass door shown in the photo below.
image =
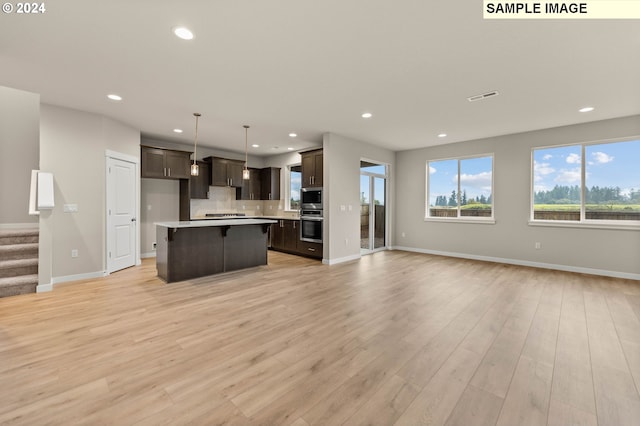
(373, 207)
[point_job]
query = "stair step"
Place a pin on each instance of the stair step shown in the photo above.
(18, 236)
(13, 286)
(19, 251)
(16, 267)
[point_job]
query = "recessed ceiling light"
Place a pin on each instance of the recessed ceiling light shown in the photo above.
(255, 145)
(586, 109)
(442, 135)
(183, 33)
(114, 97)
(367, 115)
(177, 130)
(293, 135)
(290, 149)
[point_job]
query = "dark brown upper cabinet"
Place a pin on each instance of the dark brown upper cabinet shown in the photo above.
(164, 163)
(251, 188)
(270, 183)
(225, 172)
(199, 185)
(312, 163)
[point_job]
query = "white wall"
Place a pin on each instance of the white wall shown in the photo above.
(19, 154)
(72, 147)
(341, 176)
(159, 202)
(511, 238)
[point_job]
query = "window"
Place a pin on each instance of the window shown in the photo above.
(295, 180)
(587, 182)
(460, 188)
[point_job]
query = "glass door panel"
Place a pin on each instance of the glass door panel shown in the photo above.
(373, 206)
(365, 197)
(379, 212)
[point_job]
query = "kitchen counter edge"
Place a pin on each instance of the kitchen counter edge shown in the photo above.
(214, 222)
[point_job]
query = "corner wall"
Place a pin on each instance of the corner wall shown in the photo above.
(72, 146)
(511, 238)
(19, 154)
(341, 174)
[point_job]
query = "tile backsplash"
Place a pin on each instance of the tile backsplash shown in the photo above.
(223, 200)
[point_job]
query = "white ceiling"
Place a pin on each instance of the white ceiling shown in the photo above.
(310, 67)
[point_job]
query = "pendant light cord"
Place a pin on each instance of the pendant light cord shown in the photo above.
(246, 146)
(195, 144)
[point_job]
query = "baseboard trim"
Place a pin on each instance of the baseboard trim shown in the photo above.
(566, 268)
(43, 288)
(147, 255)
(341, 259)
(30, 225)
(78, 277)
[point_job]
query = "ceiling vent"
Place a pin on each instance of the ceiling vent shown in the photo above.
(483, 96)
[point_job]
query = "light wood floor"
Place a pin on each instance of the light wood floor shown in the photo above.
(393, 339)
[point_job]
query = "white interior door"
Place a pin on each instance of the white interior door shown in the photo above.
(121, 214)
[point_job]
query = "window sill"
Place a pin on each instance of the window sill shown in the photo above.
(483, 221)
(629, 226)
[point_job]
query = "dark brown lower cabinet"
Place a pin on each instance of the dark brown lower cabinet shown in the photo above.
(188, 253)
(285, 237)
(192, 252)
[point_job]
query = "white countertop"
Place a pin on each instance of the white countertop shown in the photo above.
(274, 217)
(214, 222)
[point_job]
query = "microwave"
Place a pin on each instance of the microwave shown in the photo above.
(311, 198)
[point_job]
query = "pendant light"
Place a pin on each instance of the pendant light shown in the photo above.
(245, 171)
(195, 169)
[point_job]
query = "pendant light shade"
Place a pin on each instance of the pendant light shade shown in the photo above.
(195, 169)
(245, 172)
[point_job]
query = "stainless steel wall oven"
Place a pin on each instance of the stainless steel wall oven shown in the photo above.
(311, 222)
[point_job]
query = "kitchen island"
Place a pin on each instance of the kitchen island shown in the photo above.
(192, 249)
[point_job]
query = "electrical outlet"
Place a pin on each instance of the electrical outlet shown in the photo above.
(404, 235)
(74, 253)
(154, 245)
(538, 245)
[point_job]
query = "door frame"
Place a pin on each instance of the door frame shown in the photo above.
(387, 211)
(136, 163)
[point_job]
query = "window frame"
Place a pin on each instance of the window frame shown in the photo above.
(287, 205)
(583, 222)
(460, 219)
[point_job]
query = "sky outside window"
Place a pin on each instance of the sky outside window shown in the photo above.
(475, 179)
(612, 165)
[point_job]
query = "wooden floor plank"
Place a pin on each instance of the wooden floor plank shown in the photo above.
(572, 387)
(395, 338)
(475, 407)
(617, 398)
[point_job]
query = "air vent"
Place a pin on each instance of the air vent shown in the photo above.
(483, 96)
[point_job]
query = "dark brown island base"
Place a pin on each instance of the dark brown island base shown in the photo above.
(193, 249)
